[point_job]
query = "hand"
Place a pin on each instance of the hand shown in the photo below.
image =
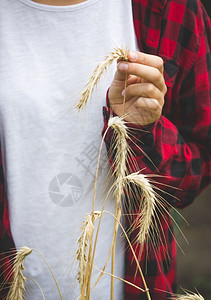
(145, 88)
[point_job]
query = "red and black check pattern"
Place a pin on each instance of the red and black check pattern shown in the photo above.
(6, 241)
(178, 143)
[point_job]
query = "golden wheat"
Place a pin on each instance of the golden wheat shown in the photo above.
(17, 288)
(147, 203)
(120, 150)
(84, 241)
(118, 53)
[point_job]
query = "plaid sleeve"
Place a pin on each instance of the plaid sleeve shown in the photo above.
(6, 241)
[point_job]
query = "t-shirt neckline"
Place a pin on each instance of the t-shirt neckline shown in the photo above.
(59, 8)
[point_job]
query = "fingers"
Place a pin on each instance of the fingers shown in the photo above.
(144, 90)
(145, 87)
(145, 66)
(146, 59)
(146, 96)
(148, 73)
(149, 105)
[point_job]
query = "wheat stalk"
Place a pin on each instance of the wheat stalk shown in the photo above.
(86, 262)
(38, 285)
(134, 255)
(147, 203)
(51, 271)
(17, 288)
(118, 53)
(120, 279)
(85, 241)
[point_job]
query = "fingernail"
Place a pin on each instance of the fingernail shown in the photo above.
(122, 67)
(133, 55)
(123, 92)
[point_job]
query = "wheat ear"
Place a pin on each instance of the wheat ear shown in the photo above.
(121, 146)
(118, 53)
(17, 288)
(188, 296)
(147, 203)
(121, 149)
(85, 241)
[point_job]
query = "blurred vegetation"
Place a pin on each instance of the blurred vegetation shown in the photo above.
(194, 265)
(207, 4)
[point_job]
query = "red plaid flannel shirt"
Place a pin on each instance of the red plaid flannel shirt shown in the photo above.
(178, 144)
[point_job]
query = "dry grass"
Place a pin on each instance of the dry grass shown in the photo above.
(17, 288)
(118, 53)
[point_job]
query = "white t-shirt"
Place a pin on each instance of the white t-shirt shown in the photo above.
(49, 150)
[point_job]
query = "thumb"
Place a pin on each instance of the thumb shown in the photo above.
(120, 73)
